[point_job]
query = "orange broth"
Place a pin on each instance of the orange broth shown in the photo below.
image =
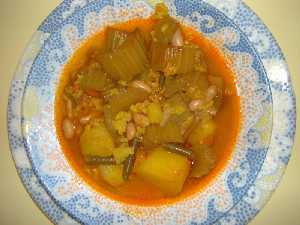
(135, 191)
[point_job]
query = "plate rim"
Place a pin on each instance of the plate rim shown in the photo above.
(292, 97)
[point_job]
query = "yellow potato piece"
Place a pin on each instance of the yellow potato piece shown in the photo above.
(96, 140)
(167, 171)
(112, 174)
(121, 153)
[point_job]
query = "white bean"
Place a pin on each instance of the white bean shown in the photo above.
(212, 111)
(68, 128)
(195, 104)
(211, 92)
(85, 119)
(142, 85)
(177, 39)
(130, 132)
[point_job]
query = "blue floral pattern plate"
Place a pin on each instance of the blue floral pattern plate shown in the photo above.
(264, 143)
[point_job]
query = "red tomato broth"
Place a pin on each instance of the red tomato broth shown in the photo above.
(135, 191)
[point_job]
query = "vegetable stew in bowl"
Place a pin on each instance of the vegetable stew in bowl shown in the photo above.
(147, 111)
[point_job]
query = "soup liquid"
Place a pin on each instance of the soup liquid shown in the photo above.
(135, 191)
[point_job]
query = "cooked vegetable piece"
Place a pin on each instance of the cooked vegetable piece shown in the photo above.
(128, 60)
(176, 104)
(121, 153)
(171, 133)
(179, 148)
(112, 174)
(161, 11)
(146, 37)
(172, 59)
(140, 156)
(68, 128)
(184, 120)
(96, 160)
(108, 121)
(136, 143)
(167, 171)
(152, 137)
(96, 140)
(130, 131)
(200, 63)
(130, 160)
(94, 78)
(162, 80)
(172, 86)
(189, 129)
(202, 133)
(193, 84)
(194, 81)
(154, 113)
(141, 85)
(177, 39)
(204, 161)
(114, 38)
(156, 135)
(123, 101)
(164, 30)
(128, 166)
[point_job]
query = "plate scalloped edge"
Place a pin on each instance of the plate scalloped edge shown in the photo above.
(282, 91)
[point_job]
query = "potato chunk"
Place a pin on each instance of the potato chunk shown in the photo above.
(96, 140)
(167, 171)
(121, 153)
(112, 174)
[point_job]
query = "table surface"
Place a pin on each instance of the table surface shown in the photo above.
(20, 18)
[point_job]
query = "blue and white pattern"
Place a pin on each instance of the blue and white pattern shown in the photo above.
(264, 144)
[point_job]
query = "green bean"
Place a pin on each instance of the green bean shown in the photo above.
(129, 162)
(179, 149)
(136, 143)
(162, 80)
(96, 160)
(128, 166)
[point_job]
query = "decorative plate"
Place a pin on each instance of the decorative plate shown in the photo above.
(262, 150)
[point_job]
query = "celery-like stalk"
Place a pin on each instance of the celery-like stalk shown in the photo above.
(93, 78)
(114, 38)
(122, 101)
(164, 30)
(128, 60)
(174, 60)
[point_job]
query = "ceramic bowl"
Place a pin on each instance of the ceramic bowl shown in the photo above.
(259, 157)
